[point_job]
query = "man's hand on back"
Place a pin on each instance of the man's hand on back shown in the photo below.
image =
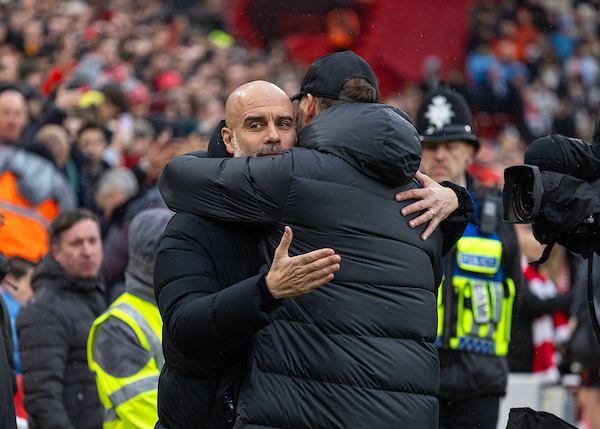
(298, 275)
(438, 202)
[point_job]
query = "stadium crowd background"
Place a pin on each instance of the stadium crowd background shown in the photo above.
(531, 68)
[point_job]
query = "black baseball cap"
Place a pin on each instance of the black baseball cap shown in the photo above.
(327, 75)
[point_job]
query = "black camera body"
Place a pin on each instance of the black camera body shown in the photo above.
(558, 190)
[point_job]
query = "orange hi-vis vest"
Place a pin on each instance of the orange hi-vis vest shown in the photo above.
(23, 226)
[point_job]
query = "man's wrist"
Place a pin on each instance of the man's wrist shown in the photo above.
(268, 300)
(466, 207)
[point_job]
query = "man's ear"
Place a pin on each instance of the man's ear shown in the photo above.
(53, 250)
(10, 278)
(227, 135)
(311, 108)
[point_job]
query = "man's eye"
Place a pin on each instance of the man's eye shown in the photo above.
(255, 126)
(285, 124)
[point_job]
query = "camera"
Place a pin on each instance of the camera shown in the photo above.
(558, 190)
(524, 203)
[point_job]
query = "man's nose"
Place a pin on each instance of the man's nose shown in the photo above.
(440, 151)
(88, 248)
(273, 134)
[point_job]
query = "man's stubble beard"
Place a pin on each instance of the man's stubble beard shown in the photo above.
(268, 149)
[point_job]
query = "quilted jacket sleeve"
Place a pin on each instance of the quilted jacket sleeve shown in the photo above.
(245, 191)
(195, 266)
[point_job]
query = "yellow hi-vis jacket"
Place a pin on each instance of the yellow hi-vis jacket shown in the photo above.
(130, 401)
(475, 300)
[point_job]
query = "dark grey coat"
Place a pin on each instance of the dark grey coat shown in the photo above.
(53, 327)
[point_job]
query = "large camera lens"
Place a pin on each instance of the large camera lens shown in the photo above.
(523, 196)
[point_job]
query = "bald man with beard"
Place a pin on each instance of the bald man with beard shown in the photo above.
(259, 118)
(211, 291)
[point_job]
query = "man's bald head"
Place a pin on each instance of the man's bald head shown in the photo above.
(259, 120)
(252, 92)
(13, 115)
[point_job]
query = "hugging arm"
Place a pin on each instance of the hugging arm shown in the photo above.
(447, 204)
(245, 191)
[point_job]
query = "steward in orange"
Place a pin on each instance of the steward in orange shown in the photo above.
(32, 193)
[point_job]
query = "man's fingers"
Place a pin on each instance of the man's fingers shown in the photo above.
(319, 282)
(417, 206)
(429, 230)
(321, 277)
(319, 264)
(425, 217)
(284, 243)
(410, 194)
(324, 270)
(422, 178)
(319, 268)
(419, 220)
(315, 255)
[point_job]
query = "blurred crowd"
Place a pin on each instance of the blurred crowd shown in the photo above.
(531, 70)
(109, 91)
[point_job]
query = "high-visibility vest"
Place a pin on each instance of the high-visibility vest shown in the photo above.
(131, 402)
(476, 299)
(23, 226)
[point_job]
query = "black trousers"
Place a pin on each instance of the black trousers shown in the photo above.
(480, 412)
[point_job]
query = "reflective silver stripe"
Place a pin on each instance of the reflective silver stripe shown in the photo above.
(498, 296)
(131, 390)
(23, 211)
(153, 339)
(110, 415)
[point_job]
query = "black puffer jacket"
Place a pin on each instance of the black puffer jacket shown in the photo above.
(208, 317)
(357, 352)
(53, 327)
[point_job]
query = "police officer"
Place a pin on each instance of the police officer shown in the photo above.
(124, 345)
(482, 272)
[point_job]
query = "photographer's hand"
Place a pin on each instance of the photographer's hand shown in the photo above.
(298, 275)
(438, 202)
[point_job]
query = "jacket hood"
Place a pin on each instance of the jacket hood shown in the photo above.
(378, 140)
(145, 232)
(216, 146)
(49, 272)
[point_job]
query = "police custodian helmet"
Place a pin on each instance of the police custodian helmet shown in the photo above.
(444, 115)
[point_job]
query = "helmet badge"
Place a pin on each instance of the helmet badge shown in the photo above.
(439, 113)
